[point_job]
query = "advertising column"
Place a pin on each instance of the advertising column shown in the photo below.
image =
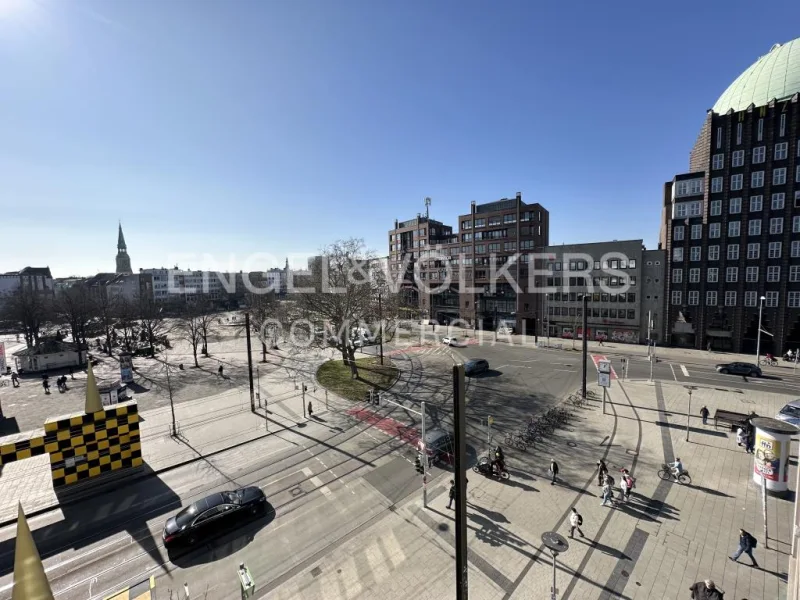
(771, 457)
(126, 368)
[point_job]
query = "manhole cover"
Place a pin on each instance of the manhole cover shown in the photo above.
(625, 574)
(296, 491)
(631, 452)
(443, 527)
(572, 444)
(316, 572)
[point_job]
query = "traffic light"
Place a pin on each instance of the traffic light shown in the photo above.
(377, 399)
(418, 465)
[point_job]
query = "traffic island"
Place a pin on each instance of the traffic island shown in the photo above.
(337, 378)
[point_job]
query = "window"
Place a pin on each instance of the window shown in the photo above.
(759, 154)
(776, 225)
(794, 273)
(697, 232)
(466, 224)
(677, 275)
(733, 228)
(691, 187)
(711, 298)
(480, 223)
(782, 130)
(773, 274)
(795, 249)
(750, 298)
(694, 253)
(772, 299)
(735, 206)
(509, 218)
(716, 208)
(754, 227)
(778, 201)
(676, 297)
(687, 209)
(677, 232)
(760, 130)
(730, 298)
(793, 300)
(774, 250)
(751, 274)
(716, 184)
(694, 275)
(480, 248)
(733, 251)
(736, 182)
(779, 176)
(714, 230)
(732, 274)
(494, 221)
(632, 280)
(509, 246)
(717, 161)
(756, 203)
(719, 137)
(694, 297)
(797, 199)
(738, 158)
(466, 237)
(632, 263)
(495, 247)
(753, 250)
(782, 149)
(757, 179)
(713, 252)
(712, 275)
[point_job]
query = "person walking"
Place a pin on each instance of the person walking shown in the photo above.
(602, 470)
(553, 470)
(310, 412)
(575, 522)
(623, 487)
(220, 370)
(606, 494)
(746, 544)
(15, 379)
(452, 493)
(751, 438)
(704, 414)
(630, 483)
(705, 590)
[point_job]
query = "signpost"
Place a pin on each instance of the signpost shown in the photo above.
(489, 421)
(247, 582)
(604, 378)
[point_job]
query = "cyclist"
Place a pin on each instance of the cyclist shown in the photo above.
(499, 460)
(677, 467)
(769, 358)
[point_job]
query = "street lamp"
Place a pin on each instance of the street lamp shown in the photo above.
(556, 543)
(758, 339)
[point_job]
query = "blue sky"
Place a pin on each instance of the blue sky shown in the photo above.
(231, 128)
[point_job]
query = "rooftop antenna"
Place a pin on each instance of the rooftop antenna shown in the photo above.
(427, 207)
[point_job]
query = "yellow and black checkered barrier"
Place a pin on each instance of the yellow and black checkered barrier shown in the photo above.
(144, 590)
(83, 446)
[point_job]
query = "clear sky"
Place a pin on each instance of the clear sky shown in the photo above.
(235, 127)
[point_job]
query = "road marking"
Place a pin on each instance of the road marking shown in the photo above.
(565, 370)
(524, 361)
(317, 482)
(671, 368)
(501, 366)
(685, 372)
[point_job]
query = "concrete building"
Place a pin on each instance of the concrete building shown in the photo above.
(123, 260)
(623, 280)
(38, 279)
(731, 225)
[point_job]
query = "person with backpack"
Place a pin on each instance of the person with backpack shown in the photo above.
(575, 522)
(704, 414)
(607, 494)
(746, 544)
(602, 469)
(452, 493)
(623, 487)
(706, 590)
(553, 470)
(630, 483)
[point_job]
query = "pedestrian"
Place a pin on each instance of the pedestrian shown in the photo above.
(607, 499)
(746, 544)
(310, 411)
(741, 437)
(72, 373)
(705, 590)
(602, 470)
(219, 371)
(452, 493)
(751, 438)
(553, 470)
(600, 339)
(15, 379)
(46, 386)
(704, 414)
(630, 483)
(623, 488)
(575, 522)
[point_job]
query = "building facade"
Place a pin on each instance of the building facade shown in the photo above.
(624, 282)
(731, 225)
(37, 279)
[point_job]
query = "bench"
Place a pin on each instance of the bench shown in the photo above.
(732, 419)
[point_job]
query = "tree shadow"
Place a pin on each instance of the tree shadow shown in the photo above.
(711, 432)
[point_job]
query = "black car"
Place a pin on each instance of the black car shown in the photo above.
(439, 445)
(739, 368)
(476, 366)
(212, 515)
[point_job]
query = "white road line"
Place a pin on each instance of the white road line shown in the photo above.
(317, 482)
(685, 372)
(565, 370)
(501, 366)
(671, 368)
(525, 361)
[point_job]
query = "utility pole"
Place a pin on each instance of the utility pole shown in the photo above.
(380, 318)
(303, 384)
(258, 386)
(249, 361)
(648, 332)
(459, 419)
(689, 413)
(171, 403)
(585, 342)
(495, 321)
(758, 339)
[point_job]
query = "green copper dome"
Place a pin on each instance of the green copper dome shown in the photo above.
(774, 75)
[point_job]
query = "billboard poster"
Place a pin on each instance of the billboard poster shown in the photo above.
(767, 457)
(2, 357)
(126, 368)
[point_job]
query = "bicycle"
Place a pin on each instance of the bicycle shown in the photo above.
(666, 473)
(516, 440)
(768, 362)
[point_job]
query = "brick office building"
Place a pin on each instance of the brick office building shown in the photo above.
(731, 225)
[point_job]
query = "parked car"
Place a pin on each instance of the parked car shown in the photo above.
(790, 413)
(739, 368)
(439, 446)
(476, 366)
(454, 341)
(214, 514)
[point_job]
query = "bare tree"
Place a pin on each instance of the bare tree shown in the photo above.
(74, 306)
(152, 322)
(106, 308)
(30, 309)
(125, 322)
(205, 316)
(190, 328)
(263, 307)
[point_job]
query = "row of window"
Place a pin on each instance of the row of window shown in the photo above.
(582, 265)
(497, 220)
(759, 130)
(756, 179)
(598, 313)
(750, 298)
(753, 251)
(630, 297)
(781, 152)
(777, 202)
(596, 281)
(734, 228)
(732, 274)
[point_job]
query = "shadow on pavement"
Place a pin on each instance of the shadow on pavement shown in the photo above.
(9, 426)
(711, 491)
(711, 432)
(486, 374)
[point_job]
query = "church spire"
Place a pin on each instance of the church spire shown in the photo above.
(121, 239)
(123, 260)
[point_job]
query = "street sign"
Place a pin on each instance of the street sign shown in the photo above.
(604, 366)
(604, 380)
